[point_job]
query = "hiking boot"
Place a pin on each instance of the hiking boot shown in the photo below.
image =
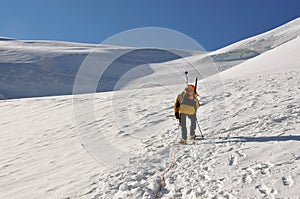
(192, 137)
(183, 141)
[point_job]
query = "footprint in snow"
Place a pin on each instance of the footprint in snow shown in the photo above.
(247, 178)
(287, 181)
(266, 191)
(232, 160)
(241, 154)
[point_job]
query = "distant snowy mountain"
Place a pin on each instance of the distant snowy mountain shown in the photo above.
(6, 38)
(43, 68)
(253, 46)
(204, 65)
(272, 61)
(267, 40)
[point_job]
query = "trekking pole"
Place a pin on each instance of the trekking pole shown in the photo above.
(199, 129)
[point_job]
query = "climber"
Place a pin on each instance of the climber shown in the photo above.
(186, 105)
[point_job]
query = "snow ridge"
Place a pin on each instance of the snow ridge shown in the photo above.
(54, 64)
(246, 49)
(268, 40)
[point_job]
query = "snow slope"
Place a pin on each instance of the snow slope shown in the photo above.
(268, 40)
(45, 68)
(205, 65)
(263, 64)
(251, 126)
(256, 45)
(252, 152)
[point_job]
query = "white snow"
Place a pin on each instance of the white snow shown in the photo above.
(251, 125)
(45, 68)
(267, 40)
(281, 59)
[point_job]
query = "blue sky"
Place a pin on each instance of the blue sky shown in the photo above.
(212, 23)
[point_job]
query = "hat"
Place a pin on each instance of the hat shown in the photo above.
(190, 87)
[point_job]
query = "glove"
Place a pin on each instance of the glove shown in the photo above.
(177, 115)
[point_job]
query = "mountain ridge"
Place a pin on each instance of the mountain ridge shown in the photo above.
(55, 63)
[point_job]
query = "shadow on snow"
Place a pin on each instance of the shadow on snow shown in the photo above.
(261, 139)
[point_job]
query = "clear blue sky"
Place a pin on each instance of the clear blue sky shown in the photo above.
(213, 23)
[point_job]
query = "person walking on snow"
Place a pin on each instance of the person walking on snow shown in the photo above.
(186, 105)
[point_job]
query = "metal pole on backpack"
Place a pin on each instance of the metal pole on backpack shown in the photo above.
(196, 117)
(186, 77)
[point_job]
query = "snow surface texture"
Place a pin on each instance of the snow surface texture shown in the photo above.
(251, 151)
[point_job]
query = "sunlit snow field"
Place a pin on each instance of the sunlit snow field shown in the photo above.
(116, 144)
